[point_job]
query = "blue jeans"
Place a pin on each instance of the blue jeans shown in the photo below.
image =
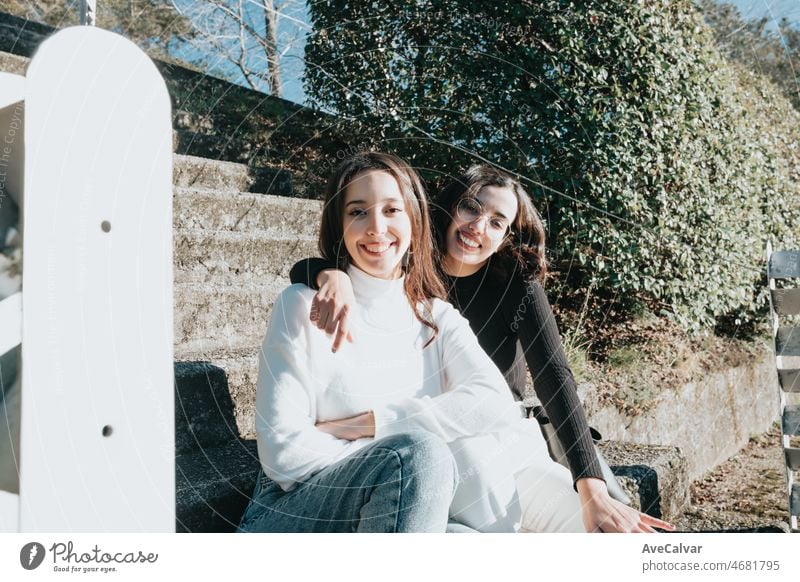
(401, 483)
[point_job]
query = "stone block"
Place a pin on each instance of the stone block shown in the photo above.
(241, 368)
(654, 476)
(13, 64)
(204, 415)
(211, 319)
(213, 487)
(195, 172)
(215, 468)
(234, 258)
(224, 176)
(207, 210)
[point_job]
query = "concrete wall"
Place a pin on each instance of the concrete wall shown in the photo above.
(710, 420)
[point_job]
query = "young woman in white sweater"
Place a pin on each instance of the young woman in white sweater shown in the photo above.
(410, 426)
(356, 440)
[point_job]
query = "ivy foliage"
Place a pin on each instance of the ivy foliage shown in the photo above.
(660, 168)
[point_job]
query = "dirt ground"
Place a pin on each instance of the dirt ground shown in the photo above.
(746, 492)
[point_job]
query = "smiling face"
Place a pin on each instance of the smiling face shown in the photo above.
(477, 231)
(377, 228)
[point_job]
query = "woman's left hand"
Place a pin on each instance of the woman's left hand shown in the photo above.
(601, 513)
(352, 428)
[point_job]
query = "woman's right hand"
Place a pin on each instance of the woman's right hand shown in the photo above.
(333, 304)
(601, 513)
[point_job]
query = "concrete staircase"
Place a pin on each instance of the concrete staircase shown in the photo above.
(236, 235)
(233, 251)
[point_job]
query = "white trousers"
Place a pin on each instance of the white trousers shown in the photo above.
(509, 483)
(549, 501)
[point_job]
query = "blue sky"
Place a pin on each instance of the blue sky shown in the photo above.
(294, 26)
(772, 9)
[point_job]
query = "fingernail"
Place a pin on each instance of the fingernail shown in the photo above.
(333, 350)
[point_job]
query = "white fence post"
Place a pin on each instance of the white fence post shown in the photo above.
(97, 421)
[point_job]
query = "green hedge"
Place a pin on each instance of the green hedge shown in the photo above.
(661, 170)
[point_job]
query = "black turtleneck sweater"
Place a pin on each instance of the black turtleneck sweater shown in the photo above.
(515, 325)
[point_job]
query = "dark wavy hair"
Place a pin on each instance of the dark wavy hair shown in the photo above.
(422, 282)
(523, 249)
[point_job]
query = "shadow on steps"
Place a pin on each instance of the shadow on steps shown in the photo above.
(215, 469)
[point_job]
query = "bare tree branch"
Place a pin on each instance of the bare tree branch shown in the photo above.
(257, 52)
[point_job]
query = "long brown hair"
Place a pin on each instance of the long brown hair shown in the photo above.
(422, 282)
(523, 249)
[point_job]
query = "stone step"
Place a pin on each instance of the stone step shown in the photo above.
(656, 477)
(213, 320)
(12, 63)
(234, 258)
(215, 469)
(222, 176)
(213, 487)
(204, 416)
(202, 209)
(241, 371)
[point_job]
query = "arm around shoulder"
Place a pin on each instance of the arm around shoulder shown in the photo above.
(306, 271)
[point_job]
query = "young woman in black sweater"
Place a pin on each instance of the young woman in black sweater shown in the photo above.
(491, 243)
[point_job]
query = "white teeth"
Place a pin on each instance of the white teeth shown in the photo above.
(377, 248)
(468, 242)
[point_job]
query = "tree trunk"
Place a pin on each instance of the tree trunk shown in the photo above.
(271, 48)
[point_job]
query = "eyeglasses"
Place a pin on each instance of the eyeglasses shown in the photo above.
(471, 209)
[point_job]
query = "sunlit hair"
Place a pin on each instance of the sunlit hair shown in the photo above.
(523, 249)
(422, 282)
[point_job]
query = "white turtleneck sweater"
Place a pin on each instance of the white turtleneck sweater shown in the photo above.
(451, 389)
